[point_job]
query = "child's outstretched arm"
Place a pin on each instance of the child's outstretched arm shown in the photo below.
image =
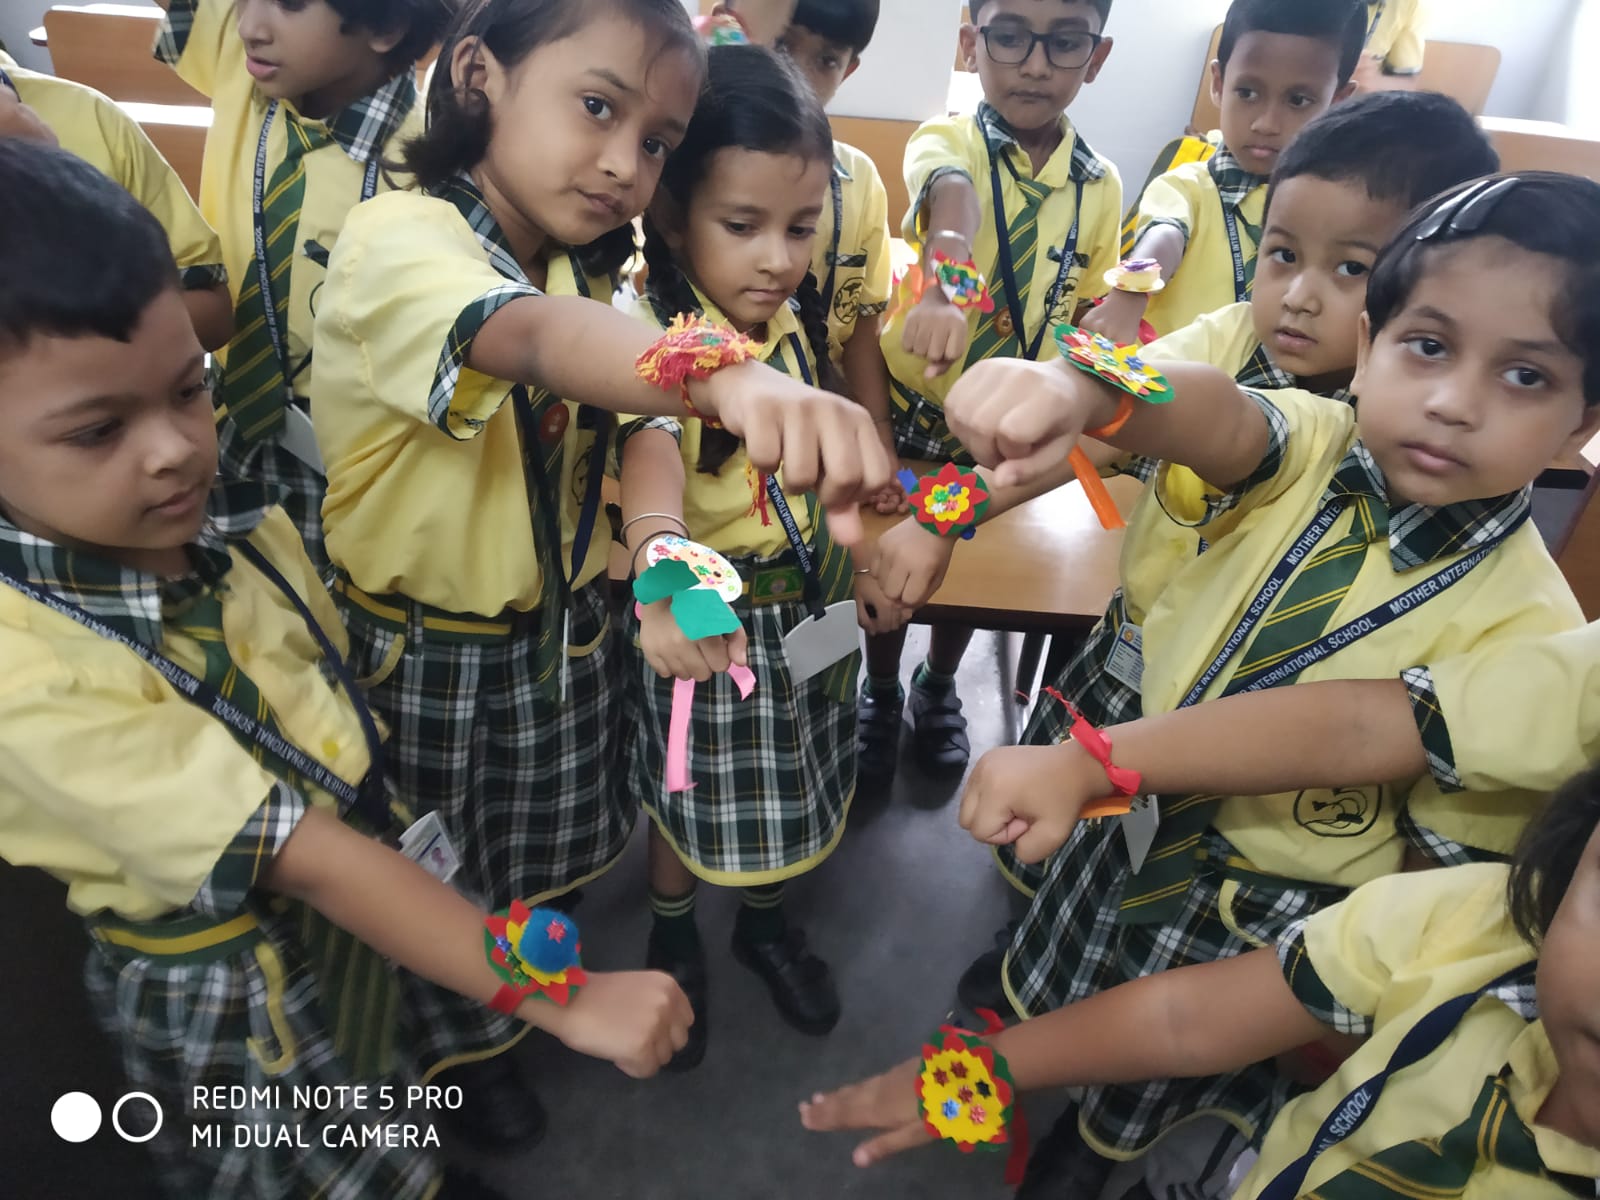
(211, 312)
(1334, 733)
(1186, 1023)
(910, 562)
(1023, 418)
(1118, 318)
(586, 352)
(636, 1020)
(936, 330)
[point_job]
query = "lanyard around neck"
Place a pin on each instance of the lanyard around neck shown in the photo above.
(368, 797)
(280, 345)
(1363, 626)
(1008, 270)
(780, 505)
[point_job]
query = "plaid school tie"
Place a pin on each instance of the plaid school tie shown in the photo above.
(1492, 1133)
(255, 383)
(543, 451)
(995, 336)
(359, 994)
(1299, 618)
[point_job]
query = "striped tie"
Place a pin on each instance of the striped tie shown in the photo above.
(995, 336)
(1300, 617)
(1433, 1169)
(255, 383)
(359, 994)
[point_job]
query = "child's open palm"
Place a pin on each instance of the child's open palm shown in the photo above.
(887, 1102)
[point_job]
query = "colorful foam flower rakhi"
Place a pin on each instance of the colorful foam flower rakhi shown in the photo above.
(963, 284)
(1119, 365)
(966, 1093)
(535, 953)
(950, 502)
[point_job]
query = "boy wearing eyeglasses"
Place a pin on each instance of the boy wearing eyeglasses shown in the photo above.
(1280, 63)
(1015, 190)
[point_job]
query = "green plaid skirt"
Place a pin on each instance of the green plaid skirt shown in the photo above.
(920, 430)
(1104, 699)
(251, 1016)
(528, 792)
(1070, 946)
(773, 775)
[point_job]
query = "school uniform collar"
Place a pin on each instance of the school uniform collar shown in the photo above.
(1419, 534)
(784, 322)
(362, 129)
(1532, 1075)
(839, 169)
(1262, 374)
(474, 209)
(132, 602)
(1233, 182)
(1085, 166)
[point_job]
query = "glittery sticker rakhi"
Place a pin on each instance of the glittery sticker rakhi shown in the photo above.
(1119, 365)
(962, 283)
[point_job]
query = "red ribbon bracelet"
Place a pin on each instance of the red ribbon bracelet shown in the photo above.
(1097, 745)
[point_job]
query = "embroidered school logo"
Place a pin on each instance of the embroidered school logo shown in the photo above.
(1345, 813)
(847, 301)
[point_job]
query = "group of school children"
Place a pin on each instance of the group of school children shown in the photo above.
(314, 667)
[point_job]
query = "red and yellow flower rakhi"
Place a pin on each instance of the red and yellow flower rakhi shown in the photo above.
(950, 502)
(967, 1094)
(535, 953)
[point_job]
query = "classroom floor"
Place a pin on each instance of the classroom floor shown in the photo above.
(897, 911)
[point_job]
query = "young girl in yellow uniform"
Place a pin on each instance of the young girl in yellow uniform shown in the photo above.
(453, 436)
(730, 237)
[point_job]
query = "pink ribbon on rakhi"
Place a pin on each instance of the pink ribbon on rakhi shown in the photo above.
(678, 724)
(678, 720)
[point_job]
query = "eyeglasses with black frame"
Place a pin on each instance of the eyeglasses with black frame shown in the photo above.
(1010, 44)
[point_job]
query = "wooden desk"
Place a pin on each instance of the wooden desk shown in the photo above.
(1046, 567)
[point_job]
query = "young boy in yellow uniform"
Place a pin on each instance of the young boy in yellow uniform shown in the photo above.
(1473, 989)
(82, 121)
(182, 745)
(1016, 190)
(825, 40)
(1279, 64)
(1397, 35)
(1460, 401)
(309, 101)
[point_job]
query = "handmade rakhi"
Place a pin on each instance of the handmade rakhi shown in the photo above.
(967, 1096)
(535, 953)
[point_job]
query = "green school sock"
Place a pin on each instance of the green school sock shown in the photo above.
(884, 686)
(761, 916)
(935, 681)
(674, 928)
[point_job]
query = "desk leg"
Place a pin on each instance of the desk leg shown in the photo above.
(1028, 667)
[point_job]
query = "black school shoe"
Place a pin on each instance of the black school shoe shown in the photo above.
(1063, 1165)
(800, 982)
(878, 722)
(938, 730)
(499, 1111)
(690, 972)
(982, 984)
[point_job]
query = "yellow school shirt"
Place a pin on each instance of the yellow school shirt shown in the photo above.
(436, 512)
(200, 39)
(1398, 35)
(730, 511)
(1454, 936)
(960, 145)
(95, 129)
(124, 790)
(1188, 198)
(854, 253)
(1541, 747)
(1348, 837)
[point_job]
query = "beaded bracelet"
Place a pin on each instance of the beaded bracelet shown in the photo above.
(534, 953)
(692, 348)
